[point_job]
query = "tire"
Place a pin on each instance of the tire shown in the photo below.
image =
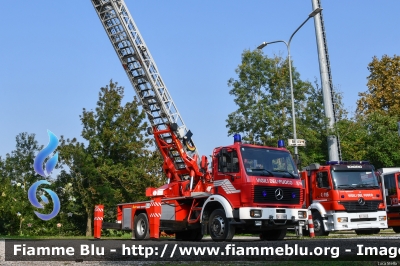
(319, 229)
(278, 234)
(219, 227)
(367, 231)
(396, 229)
(190, 235)
(141, 226)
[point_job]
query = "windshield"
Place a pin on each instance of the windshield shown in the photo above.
(354, 179)
(265, 162)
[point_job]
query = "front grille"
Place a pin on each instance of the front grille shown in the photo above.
(363, 220)
(284, 195)
(354, 206)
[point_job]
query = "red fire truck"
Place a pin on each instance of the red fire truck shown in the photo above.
(390, 178)
(249, 188)
(344, 196)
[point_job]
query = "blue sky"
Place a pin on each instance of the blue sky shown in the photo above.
(55, 56)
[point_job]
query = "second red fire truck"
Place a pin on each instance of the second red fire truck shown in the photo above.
(344, 196)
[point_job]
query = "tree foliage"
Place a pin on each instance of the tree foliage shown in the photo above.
(16, 177)
(383, 94)
(264, 115)
(372, 137)
(117, 163)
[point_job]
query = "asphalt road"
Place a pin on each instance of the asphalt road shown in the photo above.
(383, 248)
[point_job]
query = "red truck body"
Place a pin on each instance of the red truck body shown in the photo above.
(390, 178)
(251, 189)
(344, 196)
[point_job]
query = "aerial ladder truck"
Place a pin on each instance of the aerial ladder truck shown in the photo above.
(249, 188)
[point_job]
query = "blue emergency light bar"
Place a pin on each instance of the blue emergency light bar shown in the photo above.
(346, 162)
(281, 143)
(237, 138)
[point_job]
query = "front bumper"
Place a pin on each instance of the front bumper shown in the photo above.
(363, 220)
(278, 216)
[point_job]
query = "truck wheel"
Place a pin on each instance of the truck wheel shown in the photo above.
(319, 229)
(278, 234)
(219, 227)
(141, 226)
(396, 229)
(367, 231)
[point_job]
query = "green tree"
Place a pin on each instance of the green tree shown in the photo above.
(16, 176)
(383, 93)
(264, 115)
(353, 139)
(373, 137)
(117, 163)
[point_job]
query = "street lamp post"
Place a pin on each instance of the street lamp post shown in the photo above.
(261, 46)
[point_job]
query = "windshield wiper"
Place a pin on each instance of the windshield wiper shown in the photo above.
(368, 186)
(284, 171)
(264, 172)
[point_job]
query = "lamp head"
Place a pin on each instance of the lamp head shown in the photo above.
(262, 45)
(315, 12)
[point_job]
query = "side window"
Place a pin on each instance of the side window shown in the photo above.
(390, 184)
(322, 180)
(232, 163)
(398, 181)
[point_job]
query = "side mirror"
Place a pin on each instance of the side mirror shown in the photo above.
(222, 164)
(319, 181)
(222, 160)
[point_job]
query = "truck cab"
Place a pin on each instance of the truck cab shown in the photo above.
(390, 178)
(344, 196)
(262, 186)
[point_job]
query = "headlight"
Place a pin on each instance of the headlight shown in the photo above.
(342, 219)
(302, 214)
(382, 218)
(255, 213)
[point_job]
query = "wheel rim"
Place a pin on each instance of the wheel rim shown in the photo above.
(218, 226)
(141, 227)
(317, 225)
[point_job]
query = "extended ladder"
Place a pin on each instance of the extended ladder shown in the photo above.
(148, 84)
(330, 81)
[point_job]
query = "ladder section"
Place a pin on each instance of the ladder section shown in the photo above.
(143, 74)
(330, 81)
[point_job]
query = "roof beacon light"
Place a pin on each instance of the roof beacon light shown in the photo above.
(237, 138)
(281, 143)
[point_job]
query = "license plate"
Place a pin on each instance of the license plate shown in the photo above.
(280, 216)
(363, 215)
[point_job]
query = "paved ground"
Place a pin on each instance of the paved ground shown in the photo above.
(348, 240)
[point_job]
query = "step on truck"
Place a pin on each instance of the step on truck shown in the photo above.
(390, 178)
(248, 188)
(344, 196)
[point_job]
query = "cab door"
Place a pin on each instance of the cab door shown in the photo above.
(228, 179)
(395, 197)
(322, 186)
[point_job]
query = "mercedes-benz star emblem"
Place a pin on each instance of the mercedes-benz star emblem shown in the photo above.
(361, 201)
(278, 194)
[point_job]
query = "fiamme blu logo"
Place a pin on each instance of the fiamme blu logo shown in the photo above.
(45, 170)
